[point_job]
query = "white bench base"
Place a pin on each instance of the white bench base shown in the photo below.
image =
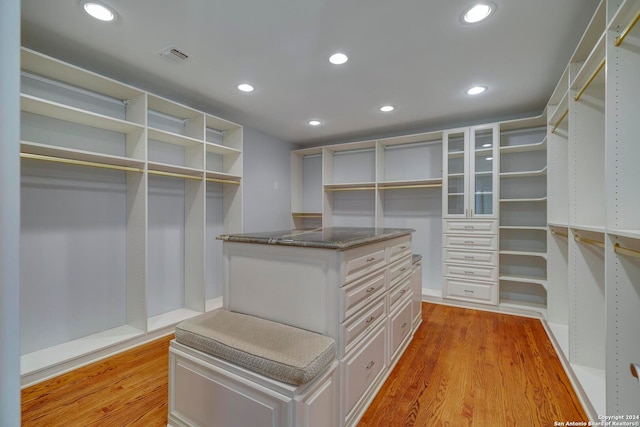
(210, 392)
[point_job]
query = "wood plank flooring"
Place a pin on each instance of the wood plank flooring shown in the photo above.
(475, 368)
(463, 368)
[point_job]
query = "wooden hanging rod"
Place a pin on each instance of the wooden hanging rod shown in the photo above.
(306, 215)
(349, 188)
(626, 251)
(591, 79)
(557, 233)
(618, 41)
(174, 175)
(79, 162)
(581, 239)
(403, 187)
(223, 181)
(564, 115)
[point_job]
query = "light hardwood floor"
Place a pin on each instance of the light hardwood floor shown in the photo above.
(463, 368)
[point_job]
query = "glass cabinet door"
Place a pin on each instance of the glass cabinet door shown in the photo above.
(483, 146)
(456, 173)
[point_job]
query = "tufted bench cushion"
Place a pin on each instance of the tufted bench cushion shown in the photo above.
(282, 352)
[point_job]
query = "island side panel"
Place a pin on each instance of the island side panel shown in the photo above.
(292, 285)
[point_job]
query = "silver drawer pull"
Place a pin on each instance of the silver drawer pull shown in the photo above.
(469, 257)
(371, 289)
(370, 319)
(468, 227)
(404, 325)
(469, 272)
(469, 242)
(403, 291)
(403, 269)
(371, 259)
(370, 365)
(469, 291)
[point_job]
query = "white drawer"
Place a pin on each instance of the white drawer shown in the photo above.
(469, 291)
(474, 272)
(471, 257)
(400, 325)
(359, 325)
(399, 250)
(488, 226)
(362, 261)
(399, 270)
(396, 294)
(361, 369)
(357, 294)
(471, 242)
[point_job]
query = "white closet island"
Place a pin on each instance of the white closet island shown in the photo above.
(350, 283)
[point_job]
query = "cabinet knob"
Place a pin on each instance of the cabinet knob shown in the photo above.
(402, 292)
(403, 268)
(370, 365)
(404, 325)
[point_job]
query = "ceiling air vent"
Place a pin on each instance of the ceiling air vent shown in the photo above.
(174, 55)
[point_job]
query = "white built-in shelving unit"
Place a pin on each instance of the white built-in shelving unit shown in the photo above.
(594, 205)
(390, 182)
(123, 193)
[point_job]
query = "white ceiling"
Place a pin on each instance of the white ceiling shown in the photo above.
(416, 55)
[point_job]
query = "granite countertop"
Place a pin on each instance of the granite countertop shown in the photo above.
(339, 238)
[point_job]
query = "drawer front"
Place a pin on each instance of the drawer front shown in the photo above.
(400, 325)
(471, 242)
(362, 368)
(400, 250)
(471, 272)
(489, 258)
(396, 294)
(469, 291)
(471, 227)
(399, 270)
(360, 325)
(363, 264)
(359, 293)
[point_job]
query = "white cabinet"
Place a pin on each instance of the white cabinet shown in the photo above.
(123, 193)
(470, 174)
(362, 297)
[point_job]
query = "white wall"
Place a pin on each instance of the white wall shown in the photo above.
(267, 164)
(9, 213)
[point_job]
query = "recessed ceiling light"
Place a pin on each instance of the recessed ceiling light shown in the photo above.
(245, 87)
(338, 58)
(99, 10)
(314, 122)
(476, 90)
(387, 108)
(478, 13)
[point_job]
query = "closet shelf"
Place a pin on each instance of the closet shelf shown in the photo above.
(521, 304)
(80, 155)
(632, 233)
(173, 138)
(33, 362)
(590, 68)
(176, 171)
(43, 107)
(222, 178)
(521, 278)
(560, 113)
(170, 318)
(524, 148)
(542, 255)
(221, 149)
(523, 227)
(410, 184)
(524, 174)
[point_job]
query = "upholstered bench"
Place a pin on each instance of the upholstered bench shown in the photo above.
(231, 369)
